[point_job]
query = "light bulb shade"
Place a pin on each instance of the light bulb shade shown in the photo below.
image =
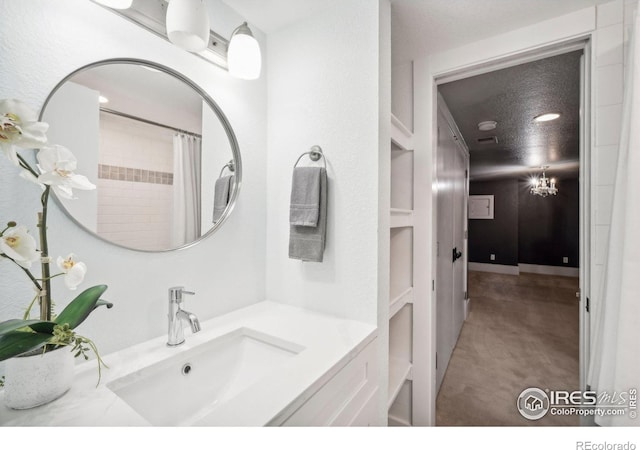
(188, 24)
(243, 56)
(116, 4)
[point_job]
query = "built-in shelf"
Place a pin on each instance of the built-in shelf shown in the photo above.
(400, 134)
(401, 218)
(395, 421)
(399, 372)
(397, 303)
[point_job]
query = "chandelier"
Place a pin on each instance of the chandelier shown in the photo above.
(543, 186)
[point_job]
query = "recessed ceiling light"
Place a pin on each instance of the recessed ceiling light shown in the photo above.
(487, 125)
(103, 99)
(546, 117)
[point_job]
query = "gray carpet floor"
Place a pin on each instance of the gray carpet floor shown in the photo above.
(522, 331)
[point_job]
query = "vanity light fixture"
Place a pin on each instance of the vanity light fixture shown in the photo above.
(546, 117)
(243, 56)
(116, 4)
(187, 24)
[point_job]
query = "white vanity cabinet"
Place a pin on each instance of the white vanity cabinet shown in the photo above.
(348, 398)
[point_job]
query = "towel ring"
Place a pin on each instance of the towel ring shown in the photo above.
(314, 155)
(230, 165)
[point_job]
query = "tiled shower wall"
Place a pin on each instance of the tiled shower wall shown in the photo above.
(135, 183)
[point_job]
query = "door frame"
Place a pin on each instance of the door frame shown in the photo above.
(458, 66)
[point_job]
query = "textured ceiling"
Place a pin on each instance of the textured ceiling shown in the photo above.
(513, 97)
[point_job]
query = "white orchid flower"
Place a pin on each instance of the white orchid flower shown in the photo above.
(19, 245)
(57, 165)
(19, 127)
(74, 271)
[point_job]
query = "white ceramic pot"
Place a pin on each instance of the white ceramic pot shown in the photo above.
(32, 381)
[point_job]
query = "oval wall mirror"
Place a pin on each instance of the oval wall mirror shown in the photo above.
(162, 154)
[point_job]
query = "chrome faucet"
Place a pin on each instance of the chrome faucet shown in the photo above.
(177, 314)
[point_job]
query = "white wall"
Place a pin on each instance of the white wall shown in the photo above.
(42, 42)
(402, 93)
(604, 25)
(323, 89)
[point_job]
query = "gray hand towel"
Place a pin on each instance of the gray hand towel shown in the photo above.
(307, 243)
(221, 196)
(305, 196)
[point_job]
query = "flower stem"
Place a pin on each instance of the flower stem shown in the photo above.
(27, 271)
(45, 298)
(25, 165)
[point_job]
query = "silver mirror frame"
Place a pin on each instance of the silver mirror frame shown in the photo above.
(235, 148)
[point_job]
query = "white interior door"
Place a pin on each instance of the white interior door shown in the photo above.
(450, 272)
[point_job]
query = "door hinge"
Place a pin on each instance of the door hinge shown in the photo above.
(466, 174)
(433, 285)
(455, 138)
(466, 234)
(437, 248)
(466, 295)
(588, 305)
(436, 360)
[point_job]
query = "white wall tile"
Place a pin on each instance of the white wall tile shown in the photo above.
(609, 81)
(608, 47)
(608, 124)
(610, 13)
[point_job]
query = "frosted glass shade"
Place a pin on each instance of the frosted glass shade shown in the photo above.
(188, 24)
(116, 4)
(243, 55)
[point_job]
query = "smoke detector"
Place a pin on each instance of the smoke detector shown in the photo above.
(487, 125)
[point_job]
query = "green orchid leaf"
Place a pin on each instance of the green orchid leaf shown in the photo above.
(101, 302)
(43, 327)
(15, 343)
(15, 324)
(80, 307)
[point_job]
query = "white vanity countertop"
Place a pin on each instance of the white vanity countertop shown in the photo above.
(329, 344)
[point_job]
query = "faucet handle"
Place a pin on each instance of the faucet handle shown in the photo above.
(176, 292)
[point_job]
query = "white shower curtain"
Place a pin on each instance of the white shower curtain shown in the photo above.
(615, 357)
(187, 151)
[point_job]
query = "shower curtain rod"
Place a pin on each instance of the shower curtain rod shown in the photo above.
(150, 122)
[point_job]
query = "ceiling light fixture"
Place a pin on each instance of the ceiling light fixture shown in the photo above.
(116, 4)
(244, 58)
(102, 99)
(487, 125)
(543, 186)
(187, 24)
(546, 117)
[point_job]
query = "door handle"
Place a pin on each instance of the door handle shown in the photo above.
(456, 254)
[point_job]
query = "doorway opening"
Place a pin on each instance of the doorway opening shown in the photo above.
(509, 274)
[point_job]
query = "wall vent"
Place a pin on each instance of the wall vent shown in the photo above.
(488, 140)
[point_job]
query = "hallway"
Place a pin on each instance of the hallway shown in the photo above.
(522, 331)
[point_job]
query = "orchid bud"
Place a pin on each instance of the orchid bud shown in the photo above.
(11, 224)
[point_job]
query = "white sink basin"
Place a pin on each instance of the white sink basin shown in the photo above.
(185, 388)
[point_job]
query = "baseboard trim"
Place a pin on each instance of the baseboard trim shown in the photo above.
(550, 270)
(495, 268)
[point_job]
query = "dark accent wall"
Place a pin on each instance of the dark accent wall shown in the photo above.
(526, 228)
(500, 235)
(549, 227)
